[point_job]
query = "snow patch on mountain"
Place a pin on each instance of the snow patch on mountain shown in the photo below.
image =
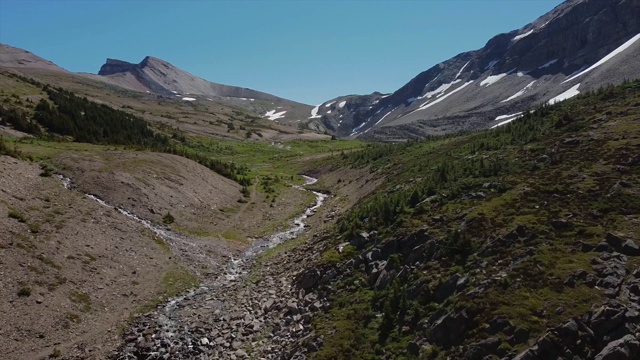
(491, 64)
(314, 112)
(492, 79)
(329, 104)
(342, 104)
(520, 93)
(506, 119)
(430, 104)
(461, 70)
(565, 95)
(188, 99)
(522, 36)
(273, 115)
(615, 52)
(382, 118)
(439, 91)
(548, 64)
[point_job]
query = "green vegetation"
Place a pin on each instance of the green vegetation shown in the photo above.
(177, 280)
(168, 218)
(15, 214)
(567, 161)
(82, 299)
(24, 291)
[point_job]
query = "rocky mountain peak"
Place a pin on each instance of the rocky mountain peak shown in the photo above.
(513, 72)
(114, 66)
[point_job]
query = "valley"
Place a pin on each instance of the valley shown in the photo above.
(488, 209)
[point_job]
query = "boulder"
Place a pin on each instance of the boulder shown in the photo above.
(449, 329)
(614, 240)
(308, 279)
(626, 348)
(630, 248)
(561, 224)
(384, 279)
(484, 348)
(359, 241)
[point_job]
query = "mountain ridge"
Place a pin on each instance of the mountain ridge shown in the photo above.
(568, 39)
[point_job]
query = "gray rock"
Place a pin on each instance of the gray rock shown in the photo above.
(447, 288)
(614, 240)
(413, 348)
(448, 330)
(241, 353)
(384, 279)
(359, 241)
(308, 279)
(561, 224)
(630, 248)
(627, 348)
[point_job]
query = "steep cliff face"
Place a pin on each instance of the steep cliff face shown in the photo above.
(114, 66)
(511, 73)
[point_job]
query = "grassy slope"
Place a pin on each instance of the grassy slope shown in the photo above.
(575, 161)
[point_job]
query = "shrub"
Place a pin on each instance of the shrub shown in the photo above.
(24, 292)
(168, 218)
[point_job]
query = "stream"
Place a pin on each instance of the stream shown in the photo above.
(170, 326)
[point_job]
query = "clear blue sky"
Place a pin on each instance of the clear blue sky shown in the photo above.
(309, 51)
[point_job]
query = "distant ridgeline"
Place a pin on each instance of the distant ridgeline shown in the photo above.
(87, 121)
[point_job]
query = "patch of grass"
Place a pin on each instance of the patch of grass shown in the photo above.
(73, 317)
(55, 353)
(24, 291)
(34, 228)
(45, 260)
(234, 236)
(177, 280)
(57, 282)
(168, 219)
(15, 214)
(84, 300)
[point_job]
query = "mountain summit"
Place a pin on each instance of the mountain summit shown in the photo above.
(159, 76)
(578, 46)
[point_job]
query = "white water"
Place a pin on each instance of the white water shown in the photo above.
(234, 268)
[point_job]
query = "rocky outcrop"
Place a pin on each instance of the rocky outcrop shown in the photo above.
(113, 66)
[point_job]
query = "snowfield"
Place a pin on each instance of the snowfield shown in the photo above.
(273, 115)
(461, 70)
(382, 118)
(522, 36)
(438, 92)
(314, 113)
(521, 92)
(506, 119)
(342, 104)
(492, 79)
(548, 64)
(430, 104)
(615, 52)
(188, 99)
(565, 95)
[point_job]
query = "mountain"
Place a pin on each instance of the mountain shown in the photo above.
(15, 58)
(156, 75)
(577, 47)
(159, 78)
